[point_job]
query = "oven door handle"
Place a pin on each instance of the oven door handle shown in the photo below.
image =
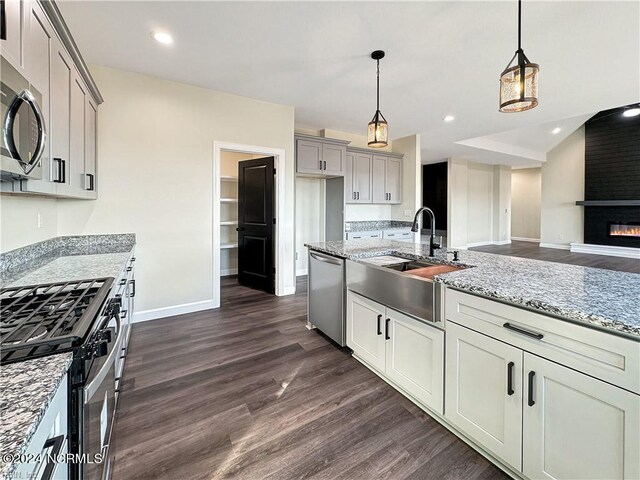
(24, 97)
(91, 388)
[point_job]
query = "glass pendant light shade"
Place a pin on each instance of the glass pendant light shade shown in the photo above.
(519, 82)
(377, 132)
(519, 88)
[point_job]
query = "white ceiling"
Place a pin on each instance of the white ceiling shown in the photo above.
(442, 58)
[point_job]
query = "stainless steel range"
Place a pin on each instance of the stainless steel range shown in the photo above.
(79, 317)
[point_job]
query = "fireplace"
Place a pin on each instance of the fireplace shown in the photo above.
(624, 229)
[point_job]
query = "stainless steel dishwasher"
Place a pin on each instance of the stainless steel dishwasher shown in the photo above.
(326, 296)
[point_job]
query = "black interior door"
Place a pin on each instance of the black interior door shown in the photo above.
(255, 224)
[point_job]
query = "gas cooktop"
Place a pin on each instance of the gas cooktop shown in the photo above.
(40, 320)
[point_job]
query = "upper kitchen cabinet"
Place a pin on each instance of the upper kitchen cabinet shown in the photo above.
(372, 177)
(41, 47)
(12, 44)
(321, 156)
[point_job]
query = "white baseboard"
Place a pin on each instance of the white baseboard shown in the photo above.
(228, 271)
(302, 272)
(558, 246)
(164, 312)
(525, 239)
(488, 242)
(610, 250)
(287, 291)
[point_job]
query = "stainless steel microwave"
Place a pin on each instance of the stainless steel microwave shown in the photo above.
(23, 127)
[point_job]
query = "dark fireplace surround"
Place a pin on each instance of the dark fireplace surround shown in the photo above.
(612, 180)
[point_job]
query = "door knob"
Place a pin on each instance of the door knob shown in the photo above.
(240, 229)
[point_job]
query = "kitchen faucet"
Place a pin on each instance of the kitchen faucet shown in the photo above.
(432, 239)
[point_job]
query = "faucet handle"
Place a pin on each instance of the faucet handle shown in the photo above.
(455, 255)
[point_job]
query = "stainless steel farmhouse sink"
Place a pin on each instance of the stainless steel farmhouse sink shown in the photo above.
(406, 285)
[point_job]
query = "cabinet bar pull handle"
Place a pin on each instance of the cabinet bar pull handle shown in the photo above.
(510, 390)
(320, 164)
(133, 289)
(325, 164)
(379, 326)
(537, 336)
(531, 402)
(386, 329)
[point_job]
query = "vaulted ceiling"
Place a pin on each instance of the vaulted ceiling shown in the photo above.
(443, 58)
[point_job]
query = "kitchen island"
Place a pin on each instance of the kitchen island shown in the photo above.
(534, 364)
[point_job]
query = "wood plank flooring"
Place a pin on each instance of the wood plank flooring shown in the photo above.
(532, 250)
(246, 391)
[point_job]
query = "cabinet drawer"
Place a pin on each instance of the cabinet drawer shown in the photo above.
(608, 357)
(401, 235)
(361, 235)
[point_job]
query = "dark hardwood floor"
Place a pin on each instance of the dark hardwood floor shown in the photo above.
(246, 391)
(532, 250)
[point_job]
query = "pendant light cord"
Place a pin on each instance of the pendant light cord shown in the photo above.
(519, 25)
(378, 86)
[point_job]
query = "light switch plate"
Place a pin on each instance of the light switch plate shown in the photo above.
(407, 213)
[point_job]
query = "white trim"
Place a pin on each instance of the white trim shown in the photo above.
(502, 242)
(164, 312)
(558, 246)
(479, 244)
(279, 155)
(610, 250)
(525, 239)
(302, 272)
(228, 271)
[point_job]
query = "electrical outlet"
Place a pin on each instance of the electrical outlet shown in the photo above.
(561, 236)
(296, 255)
(407, 213)
(39, 220)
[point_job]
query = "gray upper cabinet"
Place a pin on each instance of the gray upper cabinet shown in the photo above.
(321, 156)
(40, 46)
(372, 177)
(393, 180)
(357, 179)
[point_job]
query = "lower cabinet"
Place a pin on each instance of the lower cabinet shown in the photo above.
(484, 392)
(406, 351)
(541, 418)
(576, 426)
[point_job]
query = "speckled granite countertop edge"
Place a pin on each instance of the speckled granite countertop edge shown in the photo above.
(47, 376)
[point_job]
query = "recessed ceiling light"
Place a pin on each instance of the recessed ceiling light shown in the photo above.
(632, 112)
(556, 130)
(449, 118)
(162, 37)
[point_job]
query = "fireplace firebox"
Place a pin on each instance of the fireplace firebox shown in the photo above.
(624, 229)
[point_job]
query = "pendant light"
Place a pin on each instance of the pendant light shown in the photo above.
(377, 133)
(519, 83)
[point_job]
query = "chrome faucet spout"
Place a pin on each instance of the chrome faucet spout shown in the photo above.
(416, 227)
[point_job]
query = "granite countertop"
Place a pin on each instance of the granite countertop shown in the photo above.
(66, 258)
(369, 225)
(605, 299)
(27, 389)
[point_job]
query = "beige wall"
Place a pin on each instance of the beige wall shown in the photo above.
(19, 220)
(525, 203)
(562, 183)
(479, 203)
(155, 168)
(411, 177)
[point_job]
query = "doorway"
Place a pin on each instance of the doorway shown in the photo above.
(247, 249)
(434, 196)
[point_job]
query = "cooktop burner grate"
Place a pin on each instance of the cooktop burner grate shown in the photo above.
(38, 320)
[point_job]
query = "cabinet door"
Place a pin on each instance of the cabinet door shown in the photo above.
(90, 134)
(76, 130)
(308, 156)
(334, 158)
(362, 177)
(12, 47)
(61, 78)
(365, 328)
(578, 427)
(415, 359)
(393, 180)
(349, 192)
(479, 400)
(379, 183)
